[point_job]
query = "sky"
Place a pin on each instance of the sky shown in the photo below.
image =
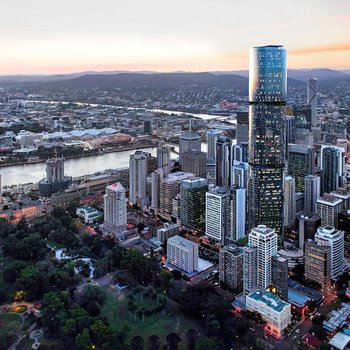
(63, 36)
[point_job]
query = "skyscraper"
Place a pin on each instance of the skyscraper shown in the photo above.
(188, 142)
(301, 162)
(195, 162)
(163, 158)
(312, 190)
(212, 137)
(289, 201)
(267, 146)
(224, 162)
(238, 213)
(332, 167)
(114, 210)
(138, 169)
(312, 99)
(242, 127)
(192, 200)
(279, 276)
(250, 266)
(265, 239)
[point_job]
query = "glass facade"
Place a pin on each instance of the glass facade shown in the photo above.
(267, 135)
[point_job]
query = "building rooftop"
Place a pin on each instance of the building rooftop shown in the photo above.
(273, 301)
(182, 241)
(340, 341)
(297, 298)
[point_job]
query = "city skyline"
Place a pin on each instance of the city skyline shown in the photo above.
(45, 38)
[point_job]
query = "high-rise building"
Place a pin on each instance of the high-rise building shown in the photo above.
(307, 227)
(301, 162)
(238, 213)
(188, 142)
(231, 266)
(195, 162)
(344, 225)
(169, 188)
(212, 137)
(279, 276)
(317, 262)
(192, 202)
(224, 162)
(182, 254)
(329, 236)
(240, 152)
(332, 168)
(138, 170)
(156, 178)
(344, 195)
(115, 217)
(312, 191)
(147, 127)
(328, 207)
(265, 239)
(218, 214)
(250, 268)
(240, 174)
(289, 201)
(242, 130)
(163, 158)
(312, 99)
(167, 231)
(290, 129)
(267, 137)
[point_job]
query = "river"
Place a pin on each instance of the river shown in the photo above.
(22, 174)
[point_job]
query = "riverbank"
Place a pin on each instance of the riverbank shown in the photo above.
(123, 148)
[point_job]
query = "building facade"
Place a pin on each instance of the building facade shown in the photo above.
(267, 145)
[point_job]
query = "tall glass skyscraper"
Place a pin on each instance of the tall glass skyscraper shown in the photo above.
(267, 140)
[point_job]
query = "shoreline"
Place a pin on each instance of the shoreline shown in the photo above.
(114, 150)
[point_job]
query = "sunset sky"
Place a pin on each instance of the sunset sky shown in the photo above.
(51, 36)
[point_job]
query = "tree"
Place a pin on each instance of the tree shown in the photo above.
(192, 337)
(83, 340)
(205, 343)
(137, 343)
(89, 295)
(30, 282)
(13, 270)
(153, 342)
(173, 340)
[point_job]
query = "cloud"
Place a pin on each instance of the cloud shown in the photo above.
(324, 48)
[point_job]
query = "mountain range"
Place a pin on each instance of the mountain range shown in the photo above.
(156, 80)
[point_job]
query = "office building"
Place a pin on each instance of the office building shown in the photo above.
(192, 203)
(240, 174)
(344, 225)
(279, 276)
(212, 137)
(273, 310)
(312, 99)
(240, 152)
(167, 231)
(312, 191)
(317, 262)
(289, 201)
(344, 195)
(115, 217)
(218, 214)
(328, 207)
(188, 142)
(231, 266)
(250, 268)
(169, 188)
(138, 170)
(156, 179)
(332, 168)
(335, 240)
(290, 129)
(147, 127)
(224, 162)
(163, 158)
(267, 145)
(55, 180)
(238, 213)
(182, 254)
(242, 130)
(265, 239)
(195, 162)
(307, 226)
(301, 162)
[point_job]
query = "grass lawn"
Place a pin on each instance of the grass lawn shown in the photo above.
(10, 323)
(115, 309)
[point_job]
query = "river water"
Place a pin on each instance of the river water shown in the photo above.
(22, 174)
